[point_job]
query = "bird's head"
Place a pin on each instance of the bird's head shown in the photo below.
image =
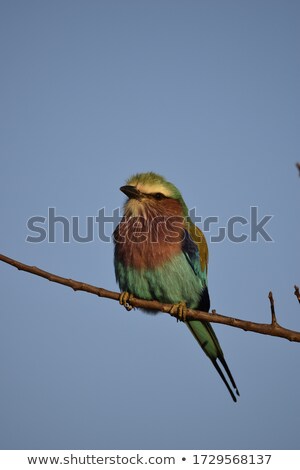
(150, 194)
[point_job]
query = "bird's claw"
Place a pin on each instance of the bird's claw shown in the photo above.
(180, 310)
(125, 299)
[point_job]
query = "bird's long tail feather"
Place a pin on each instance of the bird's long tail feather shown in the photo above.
(207, 339)
(224, 364)
(221, 374)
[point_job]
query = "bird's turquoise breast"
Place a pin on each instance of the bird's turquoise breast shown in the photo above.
(172, 282)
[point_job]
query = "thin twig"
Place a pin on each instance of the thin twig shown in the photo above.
(273, 314)
(273, 329)
(297, 293)
(298, 166)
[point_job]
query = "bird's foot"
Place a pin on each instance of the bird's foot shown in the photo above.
(125, 299)
(180, 310)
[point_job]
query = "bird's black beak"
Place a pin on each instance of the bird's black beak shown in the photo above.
(131, 192)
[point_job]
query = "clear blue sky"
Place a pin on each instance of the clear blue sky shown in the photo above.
(206, 93)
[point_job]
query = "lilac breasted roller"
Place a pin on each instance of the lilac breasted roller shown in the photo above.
(161, 255)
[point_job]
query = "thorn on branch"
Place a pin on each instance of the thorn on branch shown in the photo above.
(274, 321)
(298, 166)
(297, 293)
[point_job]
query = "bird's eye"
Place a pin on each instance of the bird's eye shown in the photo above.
(158, 196)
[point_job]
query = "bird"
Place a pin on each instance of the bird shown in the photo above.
(160, 254)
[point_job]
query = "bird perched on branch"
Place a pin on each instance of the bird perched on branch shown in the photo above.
(161, 255)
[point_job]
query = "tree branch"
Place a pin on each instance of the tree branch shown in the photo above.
(298, 166)
(271, 329)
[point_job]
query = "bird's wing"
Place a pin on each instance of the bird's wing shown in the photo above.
(195, 249)
(199, 239)
(191, 252)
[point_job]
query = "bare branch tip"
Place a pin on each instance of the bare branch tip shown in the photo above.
(297, 293)
(271, 298)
